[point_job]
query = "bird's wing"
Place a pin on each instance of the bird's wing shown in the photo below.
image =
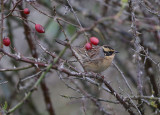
(87, 55)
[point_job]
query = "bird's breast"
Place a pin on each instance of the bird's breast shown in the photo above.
(97, 65)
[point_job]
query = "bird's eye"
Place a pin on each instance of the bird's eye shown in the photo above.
(110, 52)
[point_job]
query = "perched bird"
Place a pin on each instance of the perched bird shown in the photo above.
(98, 59)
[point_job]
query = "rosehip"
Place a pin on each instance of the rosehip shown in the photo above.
(94, 40)
(88, 46)
(6, 41)
(26, 11)
(39, 28)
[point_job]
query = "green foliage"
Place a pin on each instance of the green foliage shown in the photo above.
(5, 106)
(124, 1)
(71, 29)
(153, 104)
(46, 2)
(52, 29)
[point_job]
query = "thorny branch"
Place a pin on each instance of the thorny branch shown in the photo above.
(138, 50)
(90, 75)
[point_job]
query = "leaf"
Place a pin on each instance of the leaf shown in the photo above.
(52, 29)
(124, 1)
(71, 29)
(153, 104)
(5, 106)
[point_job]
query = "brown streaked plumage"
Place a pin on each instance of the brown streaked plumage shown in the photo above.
(97, 59)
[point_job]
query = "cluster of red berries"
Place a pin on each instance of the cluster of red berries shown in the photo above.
(94, 41)
(39, 28)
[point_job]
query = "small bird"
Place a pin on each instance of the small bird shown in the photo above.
(98, 59)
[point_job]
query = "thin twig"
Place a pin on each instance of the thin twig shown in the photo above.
(17, 68)
(122, 74)
(154, 12)
(2, 15)
(13, 9)
(30, 92)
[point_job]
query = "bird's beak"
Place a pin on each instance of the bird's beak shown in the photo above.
(116, 52)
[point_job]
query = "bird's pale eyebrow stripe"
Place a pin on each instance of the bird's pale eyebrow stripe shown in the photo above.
(108, 49)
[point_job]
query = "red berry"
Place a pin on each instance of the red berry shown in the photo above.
(94, 40)
(26, 11)
(88, 46)
(6, 41)
(39, 28)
